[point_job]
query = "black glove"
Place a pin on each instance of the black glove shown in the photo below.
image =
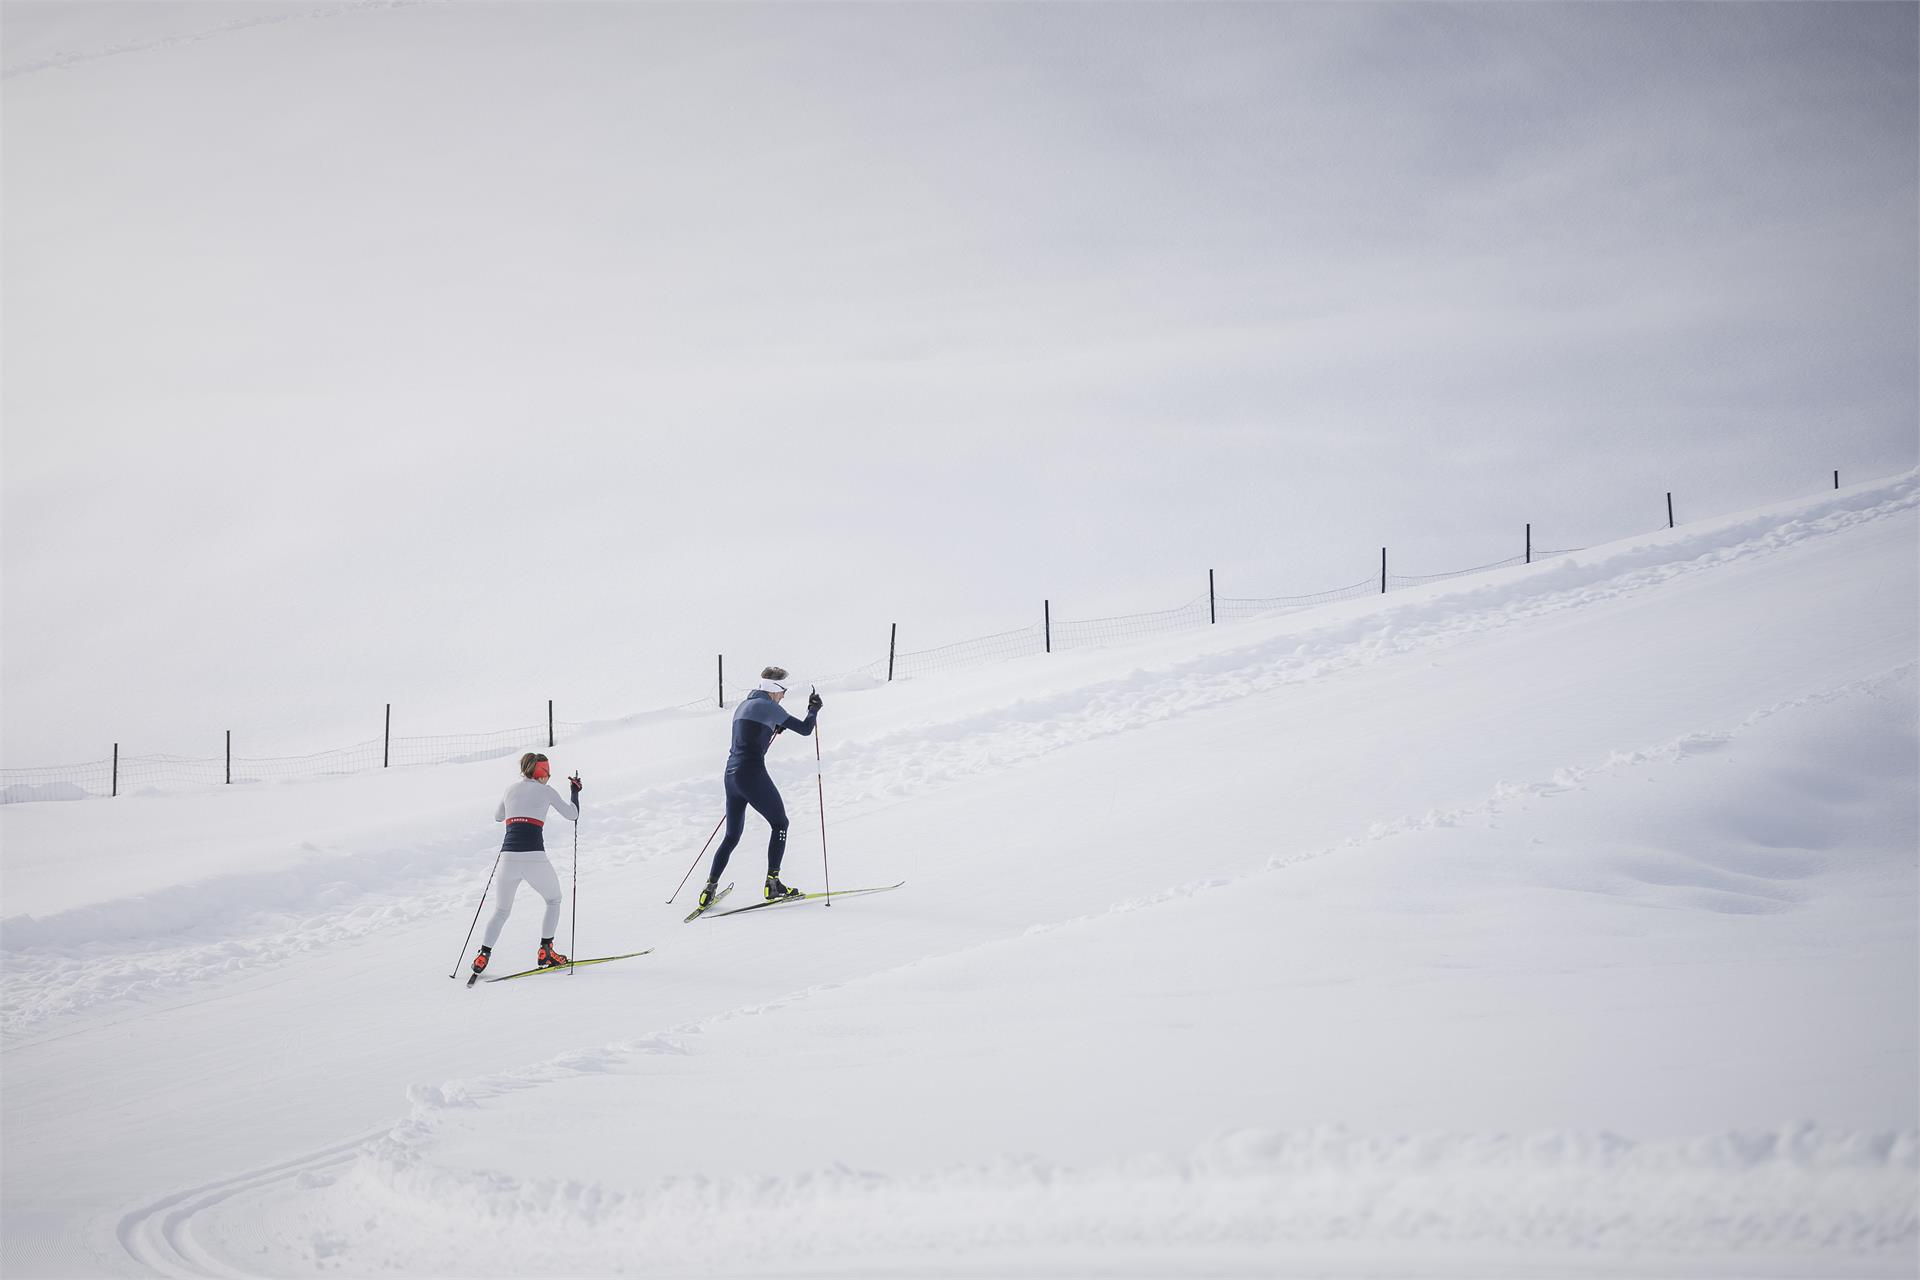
(814, 701)
(576, 784)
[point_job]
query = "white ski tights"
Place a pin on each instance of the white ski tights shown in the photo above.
(541, 877)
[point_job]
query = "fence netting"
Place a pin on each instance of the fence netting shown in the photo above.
(1017, 643)
(1240, 608)
(153, 772)
(134, 773)
(1085, 632)
(1421, 579)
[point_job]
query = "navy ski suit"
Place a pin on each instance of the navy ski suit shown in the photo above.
(755, 721)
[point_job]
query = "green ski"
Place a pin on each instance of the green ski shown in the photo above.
(700, 911)
(571, 964)
(807, 897)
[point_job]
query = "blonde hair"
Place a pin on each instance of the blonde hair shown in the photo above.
(529, 760)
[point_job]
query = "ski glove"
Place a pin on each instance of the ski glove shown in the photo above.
(814, 701)
(576, 784)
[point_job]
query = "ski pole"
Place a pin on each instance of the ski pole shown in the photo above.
(696, 860)
(821, 789)
(476, 917)
(573, 929)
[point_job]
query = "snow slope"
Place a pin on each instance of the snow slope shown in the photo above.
(1560, 921)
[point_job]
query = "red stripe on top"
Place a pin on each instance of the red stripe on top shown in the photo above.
(535, 821)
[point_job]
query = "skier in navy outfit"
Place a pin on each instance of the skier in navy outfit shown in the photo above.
(755, 722)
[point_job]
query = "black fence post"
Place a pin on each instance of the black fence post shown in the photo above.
(1383, 571)
(116, 768)
(386, 740)
(893, 634)
(549, 724)
(1212, 616)
(1529, 542)
(229, 757)
(1836, 479)
(1669, 511)
(720, 678)
(1046, 622)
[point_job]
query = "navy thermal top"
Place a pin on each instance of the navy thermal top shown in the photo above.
(755, 721)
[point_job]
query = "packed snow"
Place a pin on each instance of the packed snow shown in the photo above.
(1556, 921)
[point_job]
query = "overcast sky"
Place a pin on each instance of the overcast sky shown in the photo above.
(468, 355)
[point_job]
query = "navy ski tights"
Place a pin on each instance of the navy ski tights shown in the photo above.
(754, 789)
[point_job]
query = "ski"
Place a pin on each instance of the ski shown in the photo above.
(807, 897)
(562, 968)
(700, 911)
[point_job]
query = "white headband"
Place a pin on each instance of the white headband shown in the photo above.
(770, 686)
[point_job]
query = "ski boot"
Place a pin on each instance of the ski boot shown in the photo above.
(775, 891)
(549, 958)
(480, 961)
(709, 894)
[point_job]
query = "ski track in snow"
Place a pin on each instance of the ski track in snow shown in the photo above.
(62, 58)
(1799, 1190)
(160, 1236)
(134, 950)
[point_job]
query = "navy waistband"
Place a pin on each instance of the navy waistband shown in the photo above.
(523, 836)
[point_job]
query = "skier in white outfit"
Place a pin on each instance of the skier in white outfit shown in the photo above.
(523, 853)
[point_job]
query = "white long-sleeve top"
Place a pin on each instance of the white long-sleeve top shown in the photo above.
(524, 810)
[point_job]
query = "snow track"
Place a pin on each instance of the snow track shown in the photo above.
(161, 1237)
(161, 37)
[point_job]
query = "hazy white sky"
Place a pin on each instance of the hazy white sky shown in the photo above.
(465, 355)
